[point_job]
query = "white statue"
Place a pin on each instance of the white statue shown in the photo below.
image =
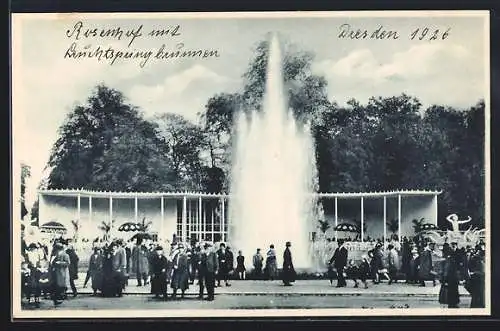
(455, 223)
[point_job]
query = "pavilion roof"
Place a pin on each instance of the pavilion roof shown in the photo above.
(194, 194)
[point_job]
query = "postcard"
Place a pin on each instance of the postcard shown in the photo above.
(251, 164)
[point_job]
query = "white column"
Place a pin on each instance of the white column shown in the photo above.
(162, 218)
(362, 220)
(78, 210)
(435, 202)
(336, 217)
(213, 223)
(385, 220)
(199, 218)
(110, 208)
(223, 221)
(184, 218)
(90, 210)
(399, 217)
(136, 209)
(78, 205)
(203, 222)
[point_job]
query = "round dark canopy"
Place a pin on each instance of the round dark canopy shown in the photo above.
(53, 225)
(129, 227)
(346, 227)
(428, 227)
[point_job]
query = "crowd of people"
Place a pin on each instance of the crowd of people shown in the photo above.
(416, 261)
(48, 271)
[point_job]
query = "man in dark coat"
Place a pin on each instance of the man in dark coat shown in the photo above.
(425, 266)
(476, 282)
(224, 260)
(159, 265)
(193, 261)
(119, 266)
(208, 270)
(406, 258)
(73, 266)
(140, 262)
(59, 263)
(95, 270)
(258, 260)
(180, 275)
(288, 269)
(339, 261)
(230, 263)
(451, 275)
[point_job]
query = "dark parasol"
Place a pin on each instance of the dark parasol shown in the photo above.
(129, 227)
(428, 227)
(53, 225)
(346, 227)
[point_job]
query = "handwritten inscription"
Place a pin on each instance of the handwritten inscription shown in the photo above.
(347, 31)
(89, 42)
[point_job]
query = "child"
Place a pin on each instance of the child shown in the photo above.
(352, 272)
(240, 266)
(331, 273)
(364, 270)
(26, 281)
(44, 280)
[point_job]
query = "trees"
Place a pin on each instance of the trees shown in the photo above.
(184, 142)
(107, 145)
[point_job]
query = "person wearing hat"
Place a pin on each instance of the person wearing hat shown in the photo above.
(94, 271)
(392, 263)
(364, 270)
(271, 264)
(119, 266)
(208, 271)
(73, 266)
(159, 264)
(288, 269)
(224, 258)
(140, 262)
(475, 285)
(257, 264)
(339, 262)
(180, 274)
(450, 277)
(425, 266)
(59, 270)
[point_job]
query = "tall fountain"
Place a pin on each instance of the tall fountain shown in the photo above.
(273, 175)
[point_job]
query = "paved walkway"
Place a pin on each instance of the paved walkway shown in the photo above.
(300, 287)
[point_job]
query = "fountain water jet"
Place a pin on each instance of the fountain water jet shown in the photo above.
(273, 175)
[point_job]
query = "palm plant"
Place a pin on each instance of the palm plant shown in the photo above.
(106, 228)
(393, 225)
(144, 225)
(417, 224)
(324, 226)
(76, 228)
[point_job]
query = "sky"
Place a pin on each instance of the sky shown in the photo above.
(46, 86)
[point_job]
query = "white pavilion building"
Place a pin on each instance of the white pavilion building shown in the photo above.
(204, 216)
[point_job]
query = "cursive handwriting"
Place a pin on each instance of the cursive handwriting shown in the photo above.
(78, 32)
(86, 39)
(348, 32)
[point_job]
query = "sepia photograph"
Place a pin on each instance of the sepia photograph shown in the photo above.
(250, 164)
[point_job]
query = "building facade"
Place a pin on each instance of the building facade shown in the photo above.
(205, 217)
